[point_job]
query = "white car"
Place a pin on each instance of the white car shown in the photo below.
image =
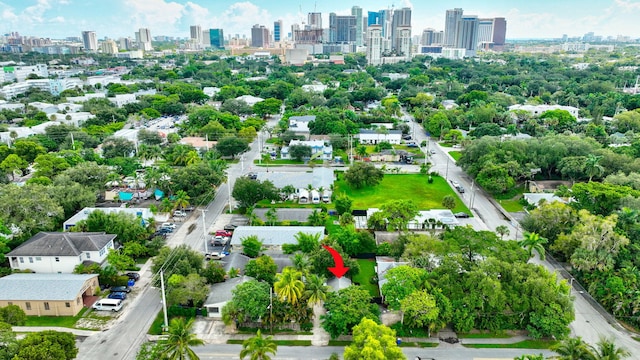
(168, 225)
(179, 213)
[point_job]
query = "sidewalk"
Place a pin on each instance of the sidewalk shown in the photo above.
(76, 332)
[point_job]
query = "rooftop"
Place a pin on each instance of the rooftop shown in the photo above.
(62, 244)
(222, 292)
(274, 235)
(54, 287)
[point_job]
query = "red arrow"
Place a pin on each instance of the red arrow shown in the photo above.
(339, 270)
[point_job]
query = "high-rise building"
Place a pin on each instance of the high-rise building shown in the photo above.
(216, 38)
(374, 44)
(467, 34)
(277, 31)
(357, 12)
(109, 47)
(125, 44)
(485, 32)
(373, 18)
(196, 34)
(90, 41)
(314, 20)
(294, 28)
(427, 37)
(403, 42)
(342, 28)
(450, 26)
(499, 31)
(143, 38)
(401, 18)
(260, 36)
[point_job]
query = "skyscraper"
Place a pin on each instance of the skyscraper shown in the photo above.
(451, 25)
(467, 34)
(403, 42)
(485, 32)
(294, 28)
(315, 20)
(109, 47)
(401, 18)
(277, 30)
(373, 18)
(259, 36)
(342, 28)
(196, 34)
(90, 41)
(216, 38)
(499, 31)
(374, 44)
(143, 38)
(357, 12)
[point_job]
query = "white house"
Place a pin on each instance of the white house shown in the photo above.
(319, 149)
(537, 110)
(373, 137)
(221, 294)
(249, 99)
(55, 252)
(273, 236)
(300, 124)
(143, 213)
(123, 99)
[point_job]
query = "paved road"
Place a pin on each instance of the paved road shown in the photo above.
(449, 352)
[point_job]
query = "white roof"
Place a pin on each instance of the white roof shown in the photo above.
(249, 99)
(54, 287)
(274, 235)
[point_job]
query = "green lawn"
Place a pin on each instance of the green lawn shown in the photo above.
(510, 200)
(278, 342)
(512, 205)
(419, 344)
(339, 343)
(526, 344)
(412, 187)
(456, 155)
(367, 272)
(61, 321)
(484, 335)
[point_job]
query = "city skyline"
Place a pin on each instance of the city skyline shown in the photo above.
(121, 18)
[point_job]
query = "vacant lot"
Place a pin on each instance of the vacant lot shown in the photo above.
(412, 187)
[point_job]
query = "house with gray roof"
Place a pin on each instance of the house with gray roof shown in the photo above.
(54, 252)
(274, 236)
(47, 294)
(374, 137)
(299, 125)
(320, 177)
(221, 294)
(384, 264)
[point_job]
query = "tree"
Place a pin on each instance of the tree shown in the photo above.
(263, 269)
(181, 200)
(307, 243)
(531, 242)
(423, 310)
(607, 350)
(178, 345)
(13, 315)
(258, 347)
(252, 246)
(248, 192)
(401, 281)
(399, 213)
(267, 107)
(288, 285)
(213, 272)
(190, 290)
(117, 147)
(315, 289)
(449, 202)
(13, 163)
(47, 344)
(343, 203)
(9, 345)
(300, 152)
(362, 174)
(250, 302)
(232, 146)
(272, 216)
(592, 166)
(573, 349)
(373, 341)
(346, 308)
(502, 230)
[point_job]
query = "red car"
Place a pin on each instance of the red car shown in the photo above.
(223, 233)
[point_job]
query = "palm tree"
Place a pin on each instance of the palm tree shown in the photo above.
(178, 345)
(181, 200)
(592, 166)
(258, 347)
(533, 241)
(315, 289)
(361, 151)
(192, 158)
(573, 349)
(301, 263)
(288, 285)
(608, 350)
(502, 230)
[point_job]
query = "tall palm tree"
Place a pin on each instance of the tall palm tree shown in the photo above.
(192, 157)
(288, 285)
(608, 350)
(574, 349)
(258, 347)
(502, 230)
(315, 290)
(592, 166)
(301, 263)
(532, 241)
(181, 339)
(181, 200)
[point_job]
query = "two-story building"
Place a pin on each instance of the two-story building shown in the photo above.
(374, 137)
(56, 252)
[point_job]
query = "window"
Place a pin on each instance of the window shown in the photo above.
(67, 304)
(27, 305)
(46, 305)
(21, 260)
(30, 260)
(57, 259)
(10, 303)
(214, 310)
(38, 258)
(88, 255)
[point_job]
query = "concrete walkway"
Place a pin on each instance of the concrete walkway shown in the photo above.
(320, 336)
(76, 332)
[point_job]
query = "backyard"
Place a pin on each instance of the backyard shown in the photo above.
(365, 276)
(412, 187)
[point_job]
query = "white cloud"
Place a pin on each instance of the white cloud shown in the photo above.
(239, 17)
(406, 3)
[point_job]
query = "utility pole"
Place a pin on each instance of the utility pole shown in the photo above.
(271, 309)
(164, 302)
(229, 188)
(446, 176)
(350, 149)
(473, 195)
(73, 143)
(204, 231)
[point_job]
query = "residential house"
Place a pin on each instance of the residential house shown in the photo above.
(537, 110)
(319, 149)
(538, 198)
(320, 178)
(48, 294)
(55, 252)
(249, 99)
(425, 220)
(142, 213)
(374, 137)
(384, 264)
(274, 236)
(221, 294)
(299, 125)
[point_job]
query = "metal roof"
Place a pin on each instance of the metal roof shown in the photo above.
(54, 287)
(274, 235)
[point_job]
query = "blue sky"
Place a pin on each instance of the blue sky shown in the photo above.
(116, 18)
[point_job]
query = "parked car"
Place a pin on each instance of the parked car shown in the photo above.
(406, 137)
(214, 256)
(432, 151)
(164, 231)
(252, 176)
(133, 275)
(120, 289)
(461, 215)
(218, 241)
(118, 295)
(223, 233)
(190, 208)
(412, 145)
(168, 225)
(179, 213)
(230, 227)
(460, 189)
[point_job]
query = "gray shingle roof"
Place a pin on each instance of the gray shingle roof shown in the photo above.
(274, 235)
(222, 292)
(62, 244)
(319, 177)
(235, 260)
(54, 287)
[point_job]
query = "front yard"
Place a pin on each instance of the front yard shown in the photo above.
(412, 187)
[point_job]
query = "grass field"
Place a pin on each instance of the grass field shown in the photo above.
(456, 155)
(510, 200)
(484, 335)
(61, 321)
(412, 187)
(367, 272)
(278, 342)
(526, 344)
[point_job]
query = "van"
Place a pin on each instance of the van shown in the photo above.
(108, 305)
